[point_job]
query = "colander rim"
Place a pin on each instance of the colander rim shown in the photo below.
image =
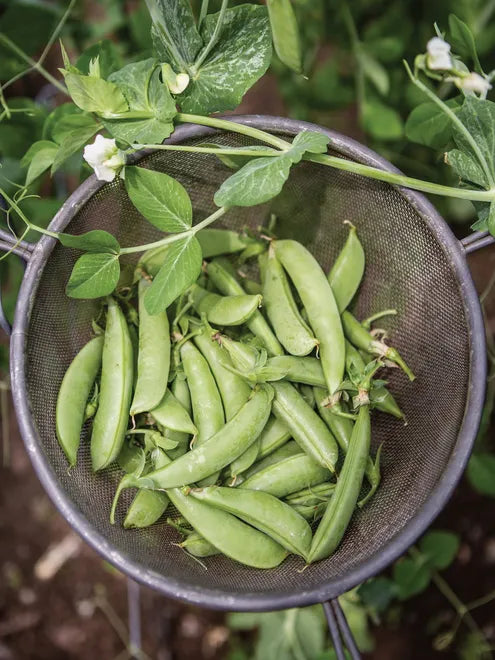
(398, 544)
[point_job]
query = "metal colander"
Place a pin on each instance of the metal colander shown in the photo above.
(413, 264)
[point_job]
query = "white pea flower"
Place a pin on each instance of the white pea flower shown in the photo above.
(473, 82)
(438, 55)
(105, 158)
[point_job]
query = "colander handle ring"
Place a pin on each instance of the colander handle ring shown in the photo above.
(476, 241)
(339, 628)
(23, 250)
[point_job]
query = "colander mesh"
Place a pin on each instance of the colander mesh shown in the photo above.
(406, 268)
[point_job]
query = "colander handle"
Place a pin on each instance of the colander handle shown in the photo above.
(476, 241)
(23, 249)
(339, 629)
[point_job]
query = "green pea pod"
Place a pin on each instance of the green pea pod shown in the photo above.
(347, 272)
(243, 356)
(311, 513)
(245, 460)
(252, 287)
(274, 435)
(290, 448)
(133, 334)
(226, 283)
(215, 242)
(172, 415)
(74, 391)
(292, 332)
(312, 496)
(338, 514)
(153, 357)
(318, 300)
(285, 33)
(287, 476)
(181, 392)
(365, 341)
(305, 370)
(110, 421)
(196, 545)
(131, 457)
(224, 310)
(306, 427)
(222, 448)
(146, 508)
(264, 512)
(307, 394)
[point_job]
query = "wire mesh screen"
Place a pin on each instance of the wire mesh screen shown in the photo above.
(406, 269)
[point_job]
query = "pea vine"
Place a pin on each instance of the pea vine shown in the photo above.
(206, 65)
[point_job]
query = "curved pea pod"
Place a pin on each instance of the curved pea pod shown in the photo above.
(290, 448)
(228, 534)
(287, 476)
(274, 435)
(243, 356)
(318, 300)
(196, 545)
(312, 496)
(306, 391)
(285, 33)
(73, 395)
(222, 448)
(292, 332)
(264, 512)
(172, 415)
(153, 357)
(339, 511)
(245, 460)
(347, 272)
(215, 242)
(146, 508)
(252, 287)
(224, 310)
(110, 421)
(180, 390)
(226, 283)
(365, 341)
(306, 427)
(305, 370)
(312, 512)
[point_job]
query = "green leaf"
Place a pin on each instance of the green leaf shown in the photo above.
(39, 157)
(108, 56)
(285, 33)
(161, 199)
(478, 116)
(94, 275)
(466, 167)
(374, 71)
(429, 125)
(440, 548)
(462, 40)
(95, 94)
(381, 121)
(240, 57)
(55, 117)
(96, 240)
(175, 36)
(481, 473)
(357, 618)
(244, 620)
(312, 141)
(310, 631)
(72, 142)
(255, 183)
(378, 593)
(411, 577)
(131, 459)
(69, 123)
(180, 269)
(19, 132)
(273, 636)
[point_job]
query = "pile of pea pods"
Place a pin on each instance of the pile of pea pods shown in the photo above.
(246, 405)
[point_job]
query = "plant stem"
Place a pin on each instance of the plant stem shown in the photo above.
(357, 52)
(21, 214)
(213, 39)
(483, 600)
(208, 150)
(176, 237)
(159, 21)
(203, 12)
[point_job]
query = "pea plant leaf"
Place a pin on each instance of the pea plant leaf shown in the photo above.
(381, 121)
(466, 167)
(108, 56)
(240, 57)
(68, 123)
(440, 548)
(378, 593)
(180, 269)
(72, 142)
(38, 158)
(308, 141)
(161, 199)
(375, 72)
(411, 577)
(95, 94)
(96, 240)
(481, 473)
(94, 275)
(462, 40)
(141, 86)
(174, 32)
(429, 125)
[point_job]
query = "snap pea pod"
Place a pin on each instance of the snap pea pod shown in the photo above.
(311, 513)
(150, 262)
(287, 476)
(290, 448)
(306, 391)
(134, 337)
(365, 341)
(252, 287)
(342, 428)
(380, 397)
(318, 300)
(306, 427)
(338, 514)
(215, 242)
(172, 415)
(312, 496)
(274, 435)
(222, 448)
(153, 357)
(234, 390)
(229, 286)
(347, 272)
(243, 355)
(292, 332)
(110, 421)
(306, 370)
(73, 396)
(264, 512)
(285, 33)
(198, 546)
(147, 507)
(224, 310)
(180, 390)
